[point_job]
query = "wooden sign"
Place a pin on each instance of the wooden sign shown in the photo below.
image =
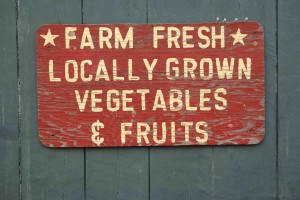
(112, 85)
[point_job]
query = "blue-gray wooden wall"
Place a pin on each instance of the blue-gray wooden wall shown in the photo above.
(28, 170)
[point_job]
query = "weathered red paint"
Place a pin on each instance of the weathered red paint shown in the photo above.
(61, 124)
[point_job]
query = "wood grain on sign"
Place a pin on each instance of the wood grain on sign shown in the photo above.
(150, 85)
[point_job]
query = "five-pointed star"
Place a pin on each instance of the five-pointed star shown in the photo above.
(238, 37)
(49, 38)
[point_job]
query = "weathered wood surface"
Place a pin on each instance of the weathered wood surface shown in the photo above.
(46, 173)
(253, 169)
(116, 173)
(9, 140)
(219, 104)
(221, 164)
(288, 100)
(184, 172)
(169, 173)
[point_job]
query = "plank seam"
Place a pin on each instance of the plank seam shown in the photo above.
(149, 173)
(147, 14)
(84, 149)
(213, 194)
(82, 11)
(277, 113)
(84, 173)
(19, 99)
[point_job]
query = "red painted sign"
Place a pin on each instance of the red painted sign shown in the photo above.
(150, 84)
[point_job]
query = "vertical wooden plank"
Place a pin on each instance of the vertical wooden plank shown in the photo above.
(249, 172)
(46, 173)
(180, 172)
(116, 173)
(288, 99)
(9, 143)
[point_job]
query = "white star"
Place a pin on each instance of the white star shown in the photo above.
(49, 38)
(238, 37)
